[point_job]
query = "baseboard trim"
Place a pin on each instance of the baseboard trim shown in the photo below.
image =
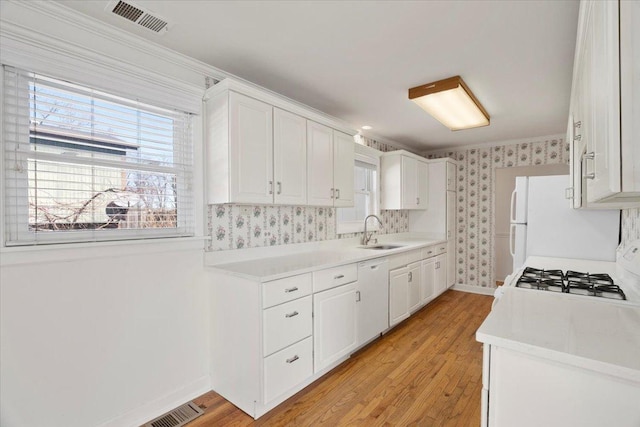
(474, 289)
(153, 409)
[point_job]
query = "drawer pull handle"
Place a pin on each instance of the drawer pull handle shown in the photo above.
(291, 289)
(295, 313)
(293, 359)
(339, 276)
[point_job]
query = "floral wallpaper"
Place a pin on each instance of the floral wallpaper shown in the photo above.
(235, 226)
(475, 192)
(630, 225)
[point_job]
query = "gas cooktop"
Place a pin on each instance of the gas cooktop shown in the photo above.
(570, 282)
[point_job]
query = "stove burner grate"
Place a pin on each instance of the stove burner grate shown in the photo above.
(573, 282)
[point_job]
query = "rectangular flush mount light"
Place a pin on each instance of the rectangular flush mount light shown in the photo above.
(450, 102)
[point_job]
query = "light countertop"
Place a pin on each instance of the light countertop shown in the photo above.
(271, 263)
(596, 335)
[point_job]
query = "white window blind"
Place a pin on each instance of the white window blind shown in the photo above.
(83, 165)
(365, 199)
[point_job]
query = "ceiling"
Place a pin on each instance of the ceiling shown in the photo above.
(355, 60)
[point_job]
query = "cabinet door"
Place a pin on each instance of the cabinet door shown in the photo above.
(334, 324)
(441, 273)
(409, 183)
(422, 185)
(451, 176)
(289, 158)
(398, 295)
(343, 167)
(320, 189)
(428, 279)
(251, 150)
(602, 161)
(414, 283)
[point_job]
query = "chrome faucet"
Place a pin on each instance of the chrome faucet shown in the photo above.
(365, 238)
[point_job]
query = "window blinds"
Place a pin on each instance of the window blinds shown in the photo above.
(83, 165)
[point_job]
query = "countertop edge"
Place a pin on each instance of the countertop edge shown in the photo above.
(353, 254)
(623, 372)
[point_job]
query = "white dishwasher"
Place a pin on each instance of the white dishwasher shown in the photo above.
(372, 296)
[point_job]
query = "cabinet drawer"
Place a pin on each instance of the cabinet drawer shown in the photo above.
(283, 290)
(406, 258)
(429, 251)
(287, 368)
(286, 323)
(332, 277)
(441, 248)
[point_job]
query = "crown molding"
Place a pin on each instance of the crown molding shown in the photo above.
(378, 138)
(280, 101)
(560, 136)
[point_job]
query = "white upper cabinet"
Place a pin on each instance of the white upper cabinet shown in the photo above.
(289, 158)
(262, 149)
(251, 150)
(605, 103)
(330, 166)
(320, 165)
(404, 178)
(343, 168)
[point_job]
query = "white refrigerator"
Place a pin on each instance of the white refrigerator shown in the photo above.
(543, 224)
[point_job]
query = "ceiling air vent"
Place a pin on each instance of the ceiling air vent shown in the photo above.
(178, 417)
(140, 16)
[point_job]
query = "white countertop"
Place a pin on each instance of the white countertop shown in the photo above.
(271, 263)
(596, 335)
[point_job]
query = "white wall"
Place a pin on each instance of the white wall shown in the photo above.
(109, 339)
(113, 333)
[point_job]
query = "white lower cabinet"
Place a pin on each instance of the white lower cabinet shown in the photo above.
(414, 284)
(427, 288)
(287, 368)
(286, 324)
(441, 274)
(271, 339)
(398, 295)
(334, 324)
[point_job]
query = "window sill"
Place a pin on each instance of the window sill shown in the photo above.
(18, 255)
(354, 227)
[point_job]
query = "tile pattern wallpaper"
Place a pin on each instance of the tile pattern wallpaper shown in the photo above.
(238, 226)
(475, 193)
(630, 225)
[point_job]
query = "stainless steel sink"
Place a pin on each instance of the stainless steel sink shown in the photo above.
(382, 247)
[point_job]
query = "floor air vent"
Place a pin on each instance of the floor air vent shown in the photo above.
(177, 417)
(134, 13)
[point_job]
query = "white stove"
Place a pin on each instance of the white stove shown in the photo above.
(617, 281)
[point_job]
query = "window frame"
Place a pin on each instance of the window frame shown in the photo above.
(370, 156)
(22, 236)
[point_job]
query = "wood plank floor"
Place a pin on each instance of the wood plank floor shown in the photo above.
(425, 372)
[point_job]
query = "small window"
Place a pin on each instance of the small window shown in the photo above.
(83, 165)
(351, 220)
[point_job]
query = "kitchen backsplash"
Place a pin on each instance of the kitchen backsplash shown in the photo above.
(630, 225)
(238, 226)
(475, 191)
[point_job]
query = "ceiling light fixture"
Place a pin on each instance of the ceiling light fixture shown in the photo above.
(366, 127)
(451, 102)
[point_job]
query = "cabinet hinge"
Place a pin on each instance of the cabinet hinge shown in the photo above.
(568, 193)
